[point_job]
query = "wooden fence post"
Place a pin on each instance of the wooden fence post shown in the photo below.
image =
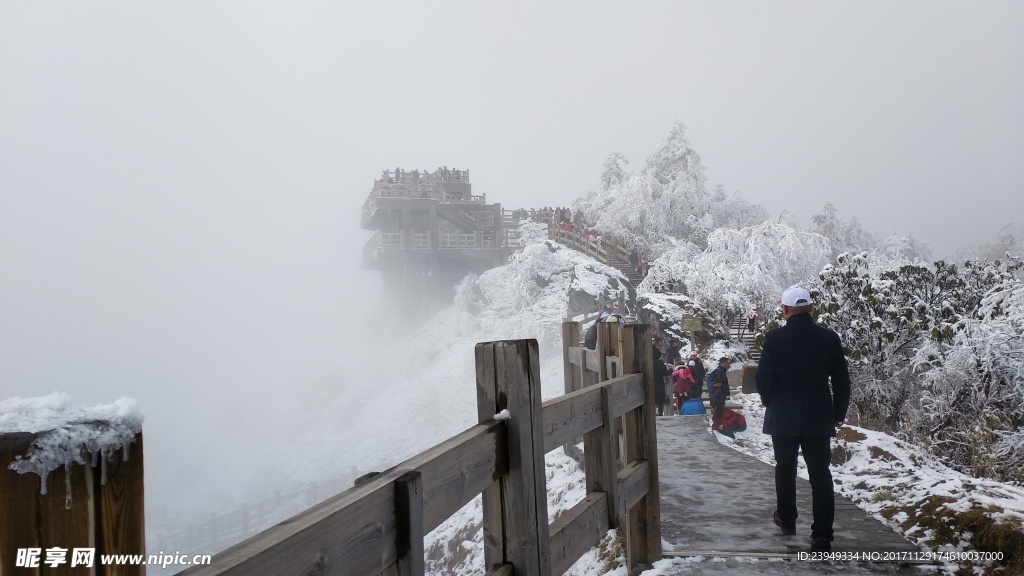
(571, 339)
(487, 407)
(601, 466)
(643, 540)
(515, 514)
(573, 375)
(606, 344)
(409, 515)
(600, 446)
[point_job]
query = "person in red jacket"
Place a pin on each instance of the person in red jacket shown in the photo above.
(683, 383)
(729, 422)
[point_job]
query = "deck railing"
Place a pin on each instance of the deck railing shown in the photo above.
(484, 240)
(176, 530)
(378, 527)
(605, 248)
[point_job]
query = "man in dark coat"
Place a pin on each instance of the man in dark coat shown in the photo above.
(718, 387)
(590, 338)
(672, 356)
(661, 374)
(721, 374)
(797, 362)
(697, 369)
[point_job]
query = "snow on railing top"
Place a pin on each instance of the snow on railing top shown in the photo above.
(63, 433)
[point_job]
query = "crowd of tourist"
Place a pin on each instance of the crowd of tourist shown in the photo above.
(416, 183)
(561, 217)
(681, 380)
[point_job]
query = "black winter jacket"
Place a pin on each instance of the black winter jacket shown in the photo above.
(797, 361)
(660, 374)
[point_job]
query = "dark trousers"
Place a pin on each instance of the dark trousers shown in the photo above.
(818, 457)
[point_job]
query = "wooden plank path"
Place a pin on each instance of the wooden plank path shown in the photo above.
(718, 501)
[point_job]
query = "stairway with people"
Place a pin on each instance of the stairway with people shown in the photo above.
(738, 330)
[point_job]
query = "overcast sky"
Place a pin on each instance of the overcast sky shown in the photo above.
(180, 182)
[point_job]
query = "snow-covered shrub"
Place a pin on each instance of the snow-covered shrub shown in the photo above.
(935, 353)
(972, 398)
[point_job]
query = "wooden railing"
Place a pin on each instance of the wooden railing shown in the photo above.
(606, 249)
(175, 530)
(378, 527)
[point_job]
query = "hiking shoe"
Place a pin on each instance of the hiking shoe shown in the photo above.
(821, 545)
(787, 530)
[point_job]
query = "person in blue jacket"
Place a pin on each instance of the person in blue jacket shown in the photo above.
(693, 405)
(798, 362)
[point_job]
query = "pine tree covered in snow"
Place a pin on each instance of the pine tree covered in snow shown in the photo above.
(668, 198)
(850, 236)
(843, 236)
(1008, 240)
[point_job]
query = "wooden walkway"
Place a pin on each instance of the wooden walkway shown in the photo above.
(716, 501)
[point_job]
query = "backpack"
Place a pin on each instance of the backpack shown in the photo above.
(709, 380)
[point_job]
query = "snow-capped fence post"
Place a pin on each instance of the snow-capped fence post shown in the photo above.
(515, 518)
(80, 505)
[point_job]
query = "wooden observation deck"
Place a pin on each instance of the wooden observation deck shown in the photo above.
(430, 231)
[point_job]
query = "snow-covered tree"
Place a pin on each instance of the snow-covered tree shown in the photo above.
(1008, 240)
(614, 173)
(742, 269)
(898, 250)
(843, 236)
(879, 326)
(666, 199)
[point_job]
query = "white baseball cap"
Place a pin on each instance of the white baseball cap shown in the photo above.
(796, 296)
